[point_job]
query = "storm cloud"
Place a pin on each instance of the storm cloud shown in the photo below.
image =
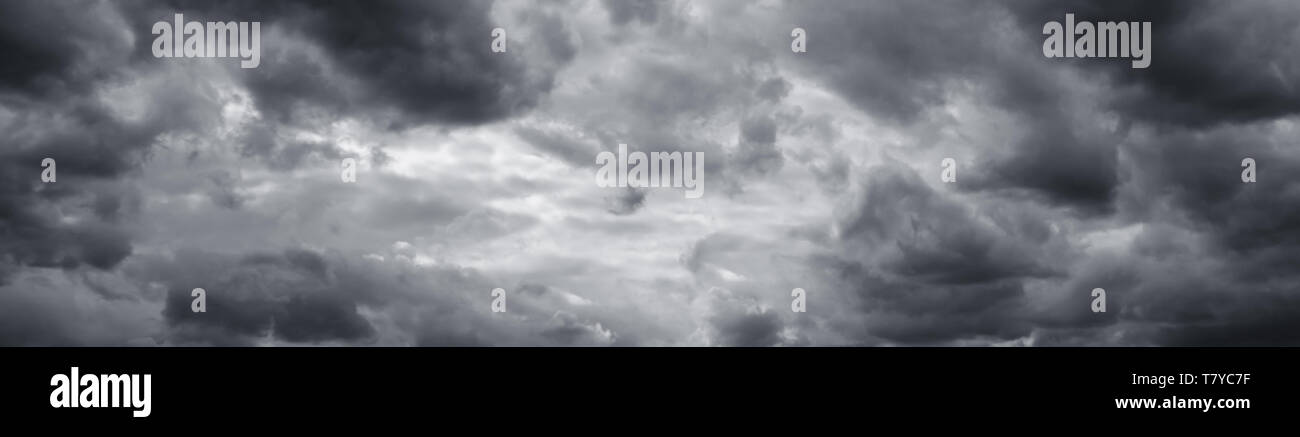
(474, 170)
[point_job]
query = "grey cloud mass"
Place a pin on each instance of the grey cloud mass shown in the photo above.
(476, 170)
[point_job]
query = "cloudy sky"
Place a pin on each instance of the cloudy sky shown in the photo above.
(476, 171)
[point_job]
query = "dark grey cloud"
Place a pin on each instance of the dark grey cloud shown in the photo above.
(1057, 164)
(774, 89)
(937, 238)
(1170, 161)
(1256, 219)
(304, 297)
(55, 66)
(758, 153)
(426, 59)
(1215, 62)
(748, 329)
(626, 11)
(50, 115)
(415, 62)
(898, 61)
(945, 274)
(888, 57)
(291, 296)
(628, 201)
(821, 173)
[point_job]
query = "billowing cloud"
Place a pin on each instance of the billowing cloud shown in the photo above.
(383, 170)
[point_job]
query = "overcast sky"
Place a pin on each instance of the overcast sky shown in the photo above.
(822, 172)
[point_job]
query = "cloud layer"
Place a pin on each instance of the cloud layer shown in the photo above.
(476, 171)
